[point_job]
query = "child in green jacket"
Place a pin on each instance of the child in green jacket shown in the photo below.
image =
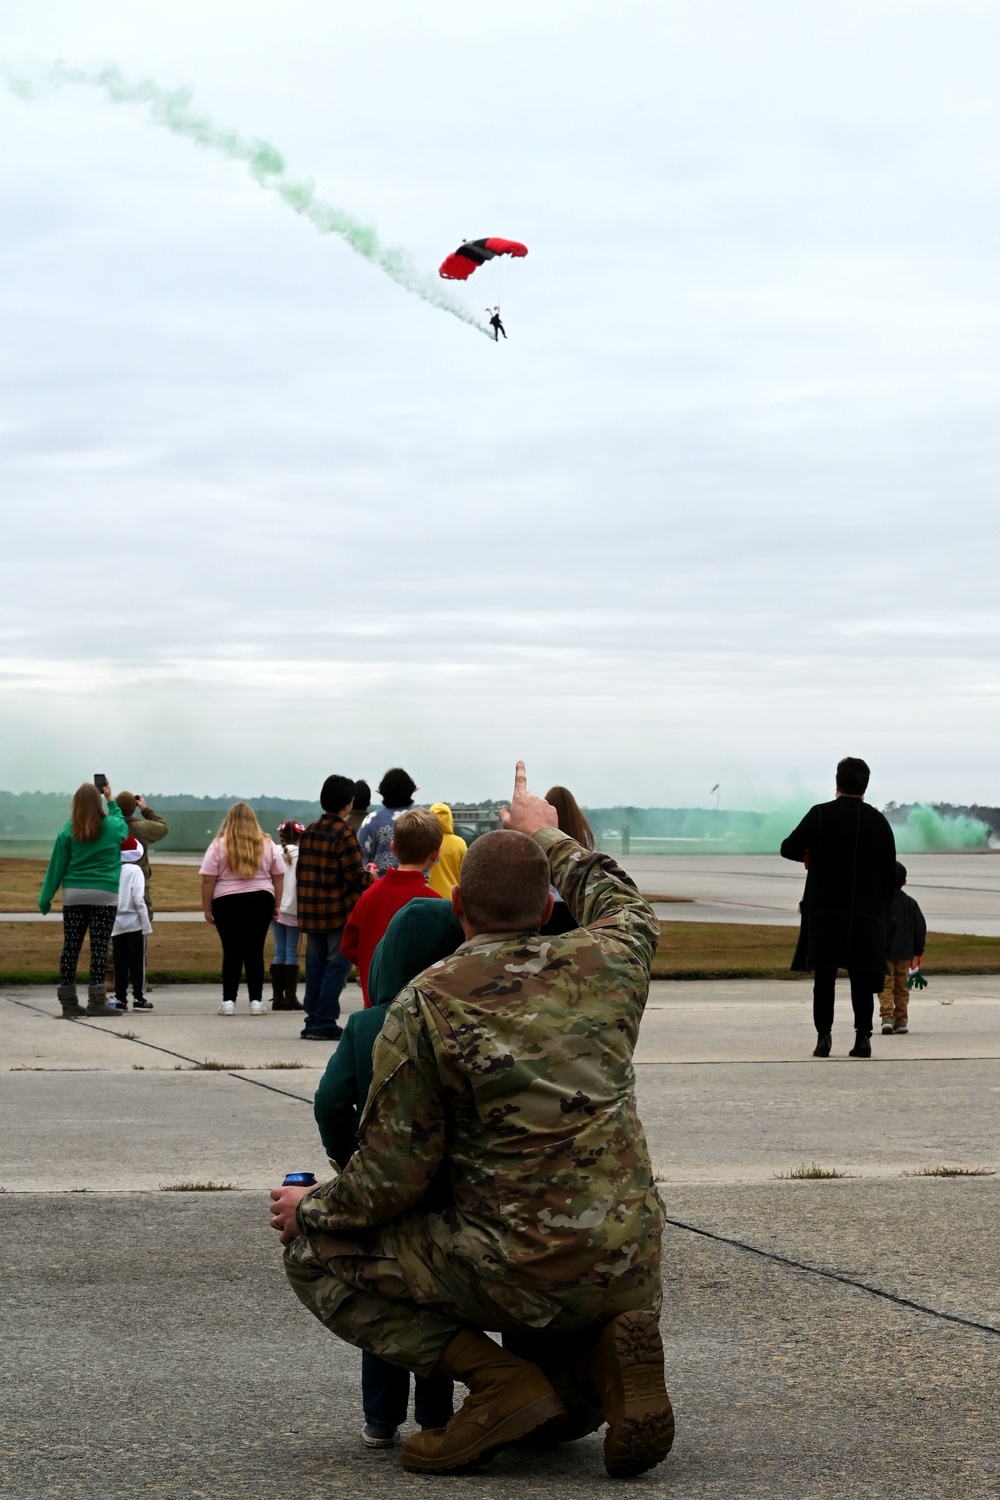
(86, 862)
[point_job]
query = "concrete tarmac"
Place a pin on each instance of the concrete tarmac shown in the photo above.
(825, 1337)
(956, 892)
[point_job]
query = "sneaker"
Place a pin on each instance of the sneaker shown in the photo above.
(862, 1045)
(375, 1435)
(888, 1028)
(142, 1004)
(900, 1028)
(227, 1008)
(823, 1044)
(256, 1007)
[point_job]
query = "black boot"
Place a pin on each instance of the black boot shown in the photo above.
(823, 1044)
(292, 1001)
(862, 1044)
(278, 987)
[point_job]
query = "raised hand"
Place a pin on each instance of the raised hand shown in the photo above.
(527, 812)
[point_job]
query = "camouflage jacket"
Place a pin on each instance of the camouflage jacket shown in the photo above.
(510, 1062)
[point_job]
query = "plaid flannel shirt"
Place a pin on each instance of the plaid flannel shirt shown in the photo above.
(329, 874)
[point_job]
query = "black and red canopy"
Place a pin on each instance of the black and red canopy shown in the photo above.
(460, 265)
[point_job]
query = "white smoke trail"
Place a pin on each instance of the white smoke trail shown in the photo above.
(175, 111)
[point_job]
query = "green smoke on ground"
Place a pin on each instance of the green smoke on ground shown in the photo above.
(174, 110)
(926, 831)
(920, 829)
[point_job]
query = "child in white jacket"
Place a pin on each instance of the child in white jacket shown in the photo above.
(131, 929)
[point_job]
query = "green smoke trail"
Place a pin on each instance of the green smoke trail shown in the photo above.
(175, 111)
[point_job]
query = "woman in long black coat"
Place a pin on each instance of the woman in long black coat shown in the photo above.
(850, 853)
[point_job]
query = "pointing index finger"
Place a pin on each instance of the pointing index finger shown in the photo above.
(520, 780)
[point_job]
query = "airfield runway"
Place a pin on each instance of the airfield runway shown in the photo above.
(956, 892)
(825, 1338)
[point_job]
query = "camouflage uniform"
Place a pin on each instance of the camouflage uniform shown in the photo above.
(510, 1064)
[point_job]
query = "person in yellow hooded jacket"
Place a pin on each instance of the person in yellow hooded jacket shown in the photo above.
(444, 874)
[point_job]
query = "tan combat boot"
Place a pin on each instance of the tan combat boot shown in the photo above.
(507, 1398)
(626, 1367)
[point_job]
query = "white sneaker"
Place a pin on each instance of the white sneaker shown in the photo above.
(256, 1007)
(227, 1008)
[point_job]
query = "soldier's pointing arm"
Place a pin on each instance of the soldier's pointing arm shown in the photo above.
(596, 889)
(591, 884)
(401, 1133)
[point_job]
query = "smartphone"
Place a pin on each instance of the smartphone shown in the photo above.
(100, 781)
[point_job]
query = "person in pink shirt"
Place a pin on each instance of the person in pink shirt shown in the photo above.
(242, 878)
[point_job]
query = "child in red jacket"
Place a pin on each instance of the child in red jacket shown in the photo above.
(416, 843)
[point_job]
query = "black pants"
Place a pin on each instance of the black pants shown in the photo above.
(76, 921)
(385, 1394)
(863, 987)
(242, 923)
(129, 950)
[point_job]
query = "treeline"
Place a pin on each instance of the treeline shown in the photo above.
(33, 817)
(36, 817)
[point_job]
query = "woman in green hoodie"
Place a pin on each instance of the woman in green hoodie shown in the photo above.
(86, 861)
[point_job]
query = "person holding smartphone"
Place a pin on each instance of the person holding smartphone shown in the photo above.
(86, 863)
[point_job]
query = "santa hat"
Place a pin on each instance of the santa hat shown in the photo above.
(132, 850)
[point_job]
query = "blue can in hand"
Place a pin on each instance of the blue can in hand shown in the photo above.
(299, 1179)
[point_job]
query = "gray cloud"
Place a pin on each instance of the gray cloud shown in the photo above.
(723, 506)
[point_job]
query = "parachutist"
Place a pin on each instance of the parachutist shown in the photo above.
(496, 324)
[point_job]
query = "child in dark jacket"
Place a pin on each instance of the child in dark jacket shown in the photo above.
(424, 931)
(907, 944)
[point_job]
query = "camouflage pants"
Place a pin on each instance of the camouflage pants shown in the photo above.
(403, 1293)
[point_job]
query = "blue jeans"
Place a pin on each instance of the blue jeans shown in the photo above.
(286, 943)
(385, 1394)
(326, 973)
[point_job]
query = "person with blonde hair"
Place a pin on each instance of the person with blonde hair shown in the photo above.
(86, 862)
(242, 878)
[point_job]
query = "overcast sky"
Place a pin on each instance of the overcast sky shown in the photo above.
(723, 509)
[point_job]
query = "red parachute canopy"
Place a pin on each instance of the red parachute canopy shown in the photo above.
(460, 265)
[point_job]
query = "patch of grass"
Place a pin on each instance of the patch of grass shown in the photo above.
(189, 952)
(179, 953)
(197, 1187)
(954, 1172)
(811, 1172)
(138, 1067)
(175, 887)
(742, 950)
(127, 1036)
(210, 1066)
(666, 900)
